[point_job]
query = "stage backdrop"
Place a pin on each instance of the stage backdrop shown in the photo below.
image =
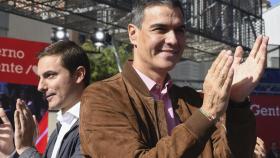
(18, 80)
(18, 60)
(266, 106)
(267, 111)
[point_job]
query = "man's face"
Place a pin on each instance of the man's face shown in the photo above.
(56, 82)
(159, 44)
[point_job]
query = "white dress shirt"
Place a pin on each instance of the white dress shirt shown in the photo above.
(66, 120)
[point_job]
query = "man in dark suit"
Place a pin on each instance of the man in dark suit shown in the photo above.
(63, 70)
(274, 151)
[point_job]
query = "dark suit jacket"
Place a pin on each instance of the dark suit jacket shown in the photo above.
(271, 155)
(119, 118)
(70, 146)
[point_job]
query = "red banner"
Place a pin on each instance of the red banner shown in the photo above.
(267, 111)
(18, 60)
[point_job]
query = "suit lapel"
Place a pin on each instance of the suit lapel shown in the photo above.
(64, 146)
(51, 143)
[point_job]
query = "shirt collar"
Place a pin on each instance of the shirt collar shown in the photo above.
(151, 84)
(69, 115)
(147, 80)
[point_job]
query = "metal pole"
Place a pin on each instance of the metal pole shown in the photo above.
(117, 57)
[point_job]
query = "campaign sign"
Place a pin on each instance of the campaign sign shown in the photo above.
(18, 60)
(267, 111)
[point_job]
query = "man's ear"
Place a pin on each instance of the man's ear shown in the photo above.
(132, 33)
(80, 74)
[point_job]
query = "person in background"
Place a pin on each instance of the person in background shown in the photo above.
(274, 151)
(141, 113)
(64, 72)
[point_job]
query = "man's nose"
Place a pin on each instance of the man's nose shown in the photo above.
(41, 85)
(171, 38)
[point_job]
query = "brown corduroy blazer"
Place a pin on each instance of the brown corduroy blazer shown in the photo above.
(120, 119)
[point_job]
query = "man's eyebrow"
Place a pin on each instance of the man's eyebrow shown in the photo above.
(164, 26)
(158, 25)
(47, 73)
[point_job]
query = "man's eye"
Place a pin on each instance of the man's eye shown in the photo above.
(159, 29)
(51, 75)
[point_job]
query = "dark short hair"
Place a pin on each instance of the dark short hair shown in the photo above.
(138, 11)
(72, 56)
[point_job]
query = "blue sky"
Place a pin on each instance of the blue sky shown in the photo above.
(274, 2)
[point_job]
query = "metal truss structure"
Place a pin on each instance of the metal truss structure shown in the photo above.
(211, 24)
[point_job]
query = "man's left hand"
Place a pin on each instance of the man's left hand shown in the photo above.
(247, 74)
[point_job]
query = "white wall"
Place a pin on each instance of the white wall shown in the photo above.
(28, 29)
(272, 24)
(4, 20)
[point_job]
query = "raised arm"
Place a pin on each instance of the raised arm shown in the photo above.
(248, 73)
(25, 129)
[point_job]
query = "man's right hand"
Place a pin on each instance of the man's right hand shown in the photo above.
(25, 127)
(217, 85)
(6, 135)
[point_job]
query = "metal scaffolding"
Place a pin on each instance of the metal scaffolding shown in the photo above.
(211, 24)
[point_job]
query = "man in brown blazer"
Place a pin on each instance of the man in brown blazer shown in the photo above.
(140, 113)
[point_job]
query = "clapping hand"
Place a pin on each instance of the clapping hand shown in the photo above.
(6, 135)
(217, 85)
(248, 73)
(25, 127)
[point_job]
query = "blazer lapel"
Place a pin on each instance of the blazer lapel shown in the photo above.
(63, 146)
(51, 142)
